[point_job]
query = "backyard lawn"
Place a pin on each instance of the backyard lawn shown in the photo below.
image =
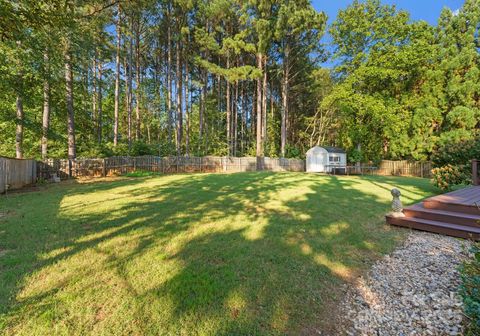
(204, 254)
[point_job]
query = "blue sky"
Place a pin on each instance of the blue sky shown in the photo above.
(428, 10)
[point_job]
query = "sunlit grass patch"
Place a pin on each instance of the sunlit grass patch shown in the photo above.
(249, 253)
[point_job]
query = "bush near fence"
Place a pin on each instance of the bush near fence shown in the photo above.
(167, 165)
(15, 173)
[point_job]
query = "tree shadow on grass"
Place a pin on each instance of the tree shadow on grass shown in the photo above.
(255, 253)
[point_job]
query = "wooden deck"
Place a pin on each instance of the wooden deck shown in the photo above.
(455, 214)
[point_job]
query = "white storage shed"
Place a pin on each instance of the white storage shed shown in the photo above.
(326, 159)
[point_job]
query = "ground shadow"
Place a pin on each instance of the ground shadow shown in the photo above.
(249, 253)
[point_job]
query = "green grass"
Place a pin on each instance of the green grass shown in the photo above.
(205, 254)
(141, 173)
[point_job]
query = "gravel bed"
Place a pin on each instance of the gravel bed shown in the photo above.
(413, 291)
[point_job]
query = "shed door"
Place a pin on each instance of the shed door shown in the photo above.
(319, 162)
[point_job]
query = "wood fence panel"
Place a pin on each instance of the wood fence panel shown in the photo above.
(209, 164)
(121, 165)
(15, 174)
(3, 174)
(405, 168)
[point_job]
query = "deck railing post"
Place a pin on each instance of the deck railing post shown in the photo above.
(475, 178)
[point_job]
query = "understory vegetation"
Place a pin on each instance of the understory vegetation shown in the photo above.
(205, 254)
(453, 163)
(227, 77)
(470, 291)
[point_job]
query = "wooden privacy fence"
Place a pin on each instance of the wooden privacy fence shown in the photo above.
(404, 168)
(16, 173)
(119, 165)
(168, 165)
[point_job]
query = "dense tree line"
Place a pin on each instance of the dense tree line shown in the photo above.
(228, 77)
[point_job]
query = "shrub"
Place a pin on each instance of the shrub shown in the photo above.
(355, 156)
(470, 291)
(140, 148)
(453, 163)
(292, 152)
(95, 151)
(447, 176)
(460, 153)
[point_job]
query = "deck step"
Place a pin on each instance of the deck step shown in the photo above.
(455, 230)
(432, 203)
(419, 211)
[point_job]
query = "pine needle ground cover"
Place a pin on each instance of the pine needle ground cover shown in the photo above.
(206, 254)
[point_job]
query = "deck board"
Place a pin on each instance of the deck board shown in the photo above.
(468, 197)
(456, 213)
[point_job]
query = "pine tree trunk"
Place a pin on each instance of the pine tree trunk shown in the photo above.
(137, 82)
(244, 118)
(19, 128)
(219, 93)
(128, 90)
(169, 82)
(283, 131)
(46, 105)
(179, 134)
(72, 151)
(229, 112)
(203, 102)
(235, 121)
(117, 80)
(253, 115)
(187, 110)
(100, 107)
(264, 102)
(259, 149)
(94, 87)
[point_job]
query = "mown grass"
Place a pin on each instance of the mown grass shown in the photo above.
(237, 254)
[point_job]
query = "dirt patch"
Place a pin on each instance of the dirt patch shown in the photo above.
(87, 179)
(26, 189)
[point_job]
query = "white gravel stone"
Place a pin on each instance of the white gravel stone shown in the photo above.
(413, 291)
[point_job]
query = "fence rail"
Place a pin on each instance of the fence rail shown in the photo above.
(15, 174)
(126, 164)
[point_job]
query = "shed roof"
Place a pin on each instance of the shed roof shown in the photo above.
(334, 150)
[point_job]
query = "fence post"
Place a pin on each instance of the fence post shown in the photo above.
(69, 168)
(104, 170)
(34, 171)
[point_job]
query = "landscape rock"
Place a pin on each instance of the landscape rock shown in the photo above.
(413, 291)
